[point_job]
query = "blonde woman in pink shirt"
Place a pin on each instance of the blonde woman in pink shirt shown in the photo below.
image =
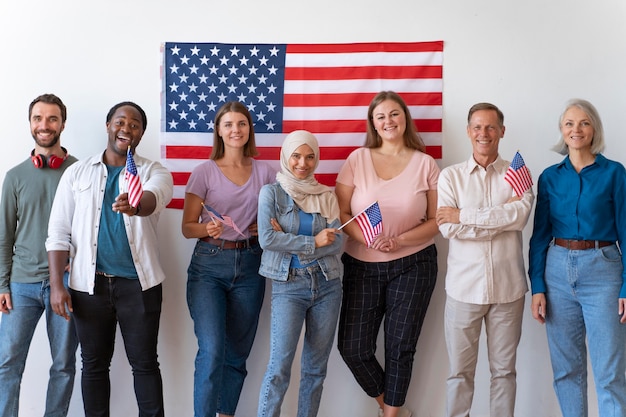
(393, 278)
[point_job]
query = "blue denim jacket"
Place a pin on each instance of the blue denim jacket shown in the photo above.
(275, 203)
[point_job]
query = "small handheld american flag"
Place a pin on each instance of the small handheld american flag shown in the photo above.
(370, 222)
(227, 220)
(135, 189)
(518, 175)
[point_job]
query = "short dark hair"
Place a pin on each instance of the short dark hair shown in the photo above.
(486, 106)
(412, 138)
(249, 149)
(49, 99)
(144, 118)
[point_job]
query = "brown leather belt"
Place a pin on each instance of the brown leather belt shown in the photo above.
(581, 244)
(231, 244)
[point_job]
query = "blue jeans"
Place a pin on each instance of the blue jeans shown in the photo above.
(138, 313)
(225, 295)
(30, 301)
(582, 290)
(305, 298)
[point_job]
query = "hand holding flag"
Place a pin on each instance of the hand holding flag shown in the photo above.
(215, 215)
(518, 175)
(370, 222)
(133, 183)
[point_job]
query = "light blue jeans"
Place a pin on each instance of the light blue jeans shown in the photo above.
(224, 295)
(30, 301)
(305, 298)
(582, 290)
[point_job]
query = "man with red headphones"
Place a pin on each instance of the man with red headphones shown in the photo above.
(27, 195)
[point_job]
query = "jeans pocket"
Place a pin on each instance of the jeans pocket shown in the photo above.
(153, 299)
(206, 250)
(611, 254)
(291, 285)
(256, 250)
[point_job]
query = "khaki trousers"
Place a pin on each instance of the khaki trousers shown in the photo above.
(503, 327)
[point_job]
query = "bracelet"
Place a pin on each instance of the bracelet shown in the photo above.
(137, 209)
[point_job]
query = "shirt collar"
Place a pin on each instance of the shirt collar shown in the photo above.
(498, 164)
(600, 161)
(99, 159)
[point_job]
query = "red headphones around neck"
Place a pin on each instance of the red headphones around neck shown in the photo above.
(52, 161)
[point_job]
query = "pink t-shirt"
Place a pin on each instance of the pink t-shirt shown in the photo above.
(402, 199)
(239, 202)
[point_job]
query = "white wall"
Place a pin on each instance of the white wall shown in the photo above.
(528, 57)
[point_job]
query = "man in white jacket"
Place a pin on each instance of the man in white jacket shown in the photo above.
(116, 275)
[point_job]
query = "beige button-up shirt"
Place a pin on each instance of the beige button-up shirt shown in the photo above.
(485, 259)
(75, 220)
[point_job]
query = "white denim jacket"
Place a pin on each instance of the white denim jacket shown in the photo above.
(75, 219)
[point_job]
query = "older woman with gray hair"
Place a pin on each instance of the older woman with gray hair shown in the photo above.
(576, 267)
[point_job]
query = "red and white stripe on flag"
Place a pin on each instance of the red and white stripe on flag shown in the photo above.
(518, 175)
(135, 189)
(323, 88)
(370, 222)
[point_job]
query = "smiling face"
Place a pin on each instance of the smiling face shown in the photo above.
(234, 130)
(46, 124)
(577, 130)
(485, 132)
(302, 162)
(125, 130)
(389, 120)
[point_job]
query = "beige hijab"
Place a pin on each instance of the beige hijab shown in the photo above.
(308, 194)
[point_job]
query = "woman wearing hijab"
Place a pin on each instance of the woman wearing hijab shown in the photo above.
(297, 223)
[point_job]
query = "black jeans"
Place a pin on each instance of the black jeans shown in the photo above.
(138, 313)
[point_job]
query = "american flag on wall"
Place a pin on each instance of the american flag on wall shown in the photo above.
(322, 88)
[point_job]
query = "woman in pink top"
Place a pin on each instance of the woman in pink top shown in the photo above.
(395, 276)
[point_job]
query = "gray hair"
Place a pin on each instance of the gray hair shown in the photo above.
(597, 143)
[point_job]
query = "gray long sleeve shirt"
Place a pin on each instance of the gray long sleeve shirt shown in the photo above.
(27, 195)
